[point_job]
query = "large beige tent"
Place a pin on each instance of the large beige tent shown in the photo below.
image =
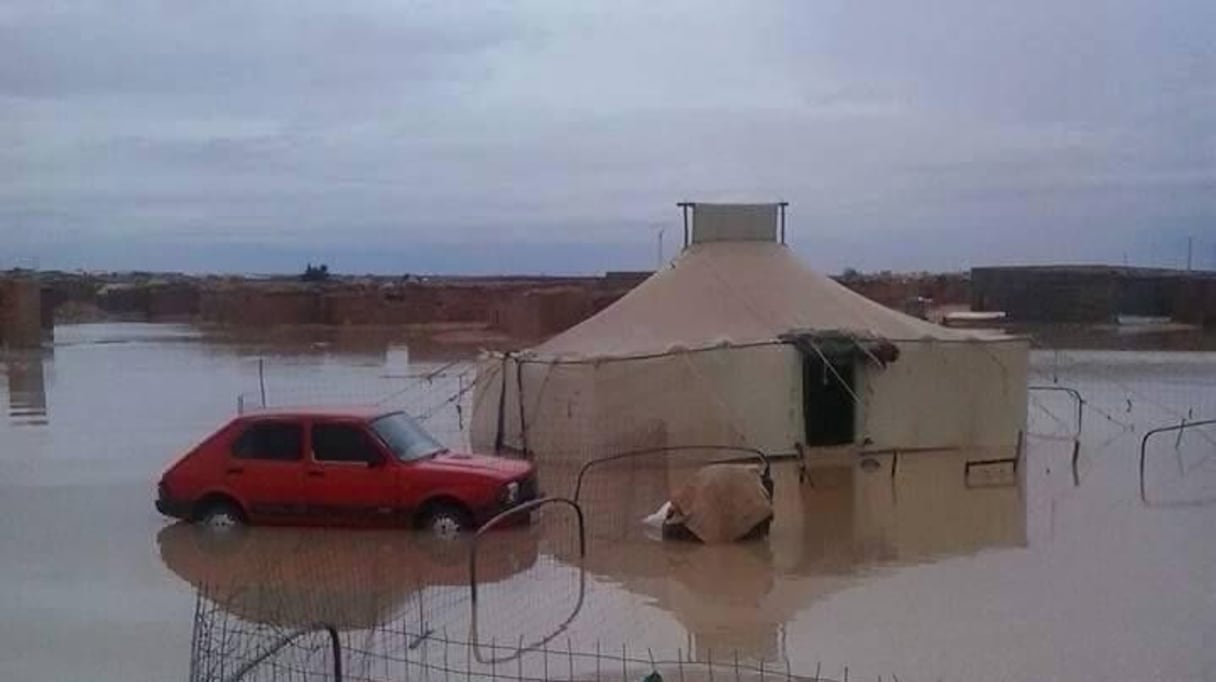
(737, 342)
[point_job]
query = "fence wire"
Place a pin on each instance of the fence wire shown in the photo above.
(403, 611)
(227, 649)
(523, 631)
(439, 397)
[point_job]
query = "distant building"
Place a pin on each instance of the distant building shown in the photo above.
(21, 312)
(1084, 293)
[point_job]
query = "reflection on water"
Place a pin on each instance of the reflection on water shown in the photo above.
(351, 580)
(391, 594)
(849, 519)
(907, 566)
(24, 373)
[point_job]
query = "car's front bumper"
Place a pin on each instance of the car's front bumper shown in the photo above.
(483, 517)
(178, 509)
(529, 491)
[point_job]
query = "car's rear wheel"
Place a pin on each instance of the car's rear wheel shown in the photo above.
(447, 521)
(221, 515)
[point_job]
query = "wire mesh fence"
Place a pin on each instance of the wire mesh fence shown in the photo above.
(370, 657)
(1106, 403)
(227, 649)
(438, 396)
(1107, 399)
(550, 616)
(402, 610)
(632, 607)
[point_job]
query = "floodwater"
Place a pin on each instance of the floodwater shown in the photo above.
(923, 566)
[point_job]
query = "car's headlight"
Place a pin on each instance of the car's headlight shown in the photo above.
(510, 492)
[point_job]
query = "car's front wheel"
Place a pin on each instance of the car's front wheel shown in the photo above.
(447, 521)
(221, 515)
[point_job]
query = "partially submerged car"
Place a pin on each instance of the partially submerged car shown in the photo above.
(349, 467)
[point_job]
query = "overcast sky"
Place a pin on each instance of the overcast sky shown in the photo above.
(555, 137)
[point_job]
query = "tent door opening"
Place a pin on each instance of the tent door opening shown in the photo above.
(827, 404)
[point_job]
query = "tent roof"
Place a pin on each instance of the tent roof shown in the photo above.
(734, 293)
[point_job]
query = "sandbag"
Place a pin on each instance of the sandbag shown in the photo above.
(722, 503)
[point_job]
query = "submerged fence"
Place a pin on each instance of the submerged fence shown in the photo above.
(371, 656)
(404, 607)
(277, 615)
(544, 614)
(440, 396)
(228, 649)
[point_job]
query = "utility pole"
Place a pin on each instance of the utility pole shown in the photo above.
(1190, 249)
(658, 265)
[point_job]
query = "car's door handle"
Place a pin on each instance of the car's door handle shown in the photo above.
(235, 470)
(316, 474)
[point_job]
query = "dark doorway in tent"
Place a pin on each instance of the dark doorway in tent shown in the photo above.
(827, 400)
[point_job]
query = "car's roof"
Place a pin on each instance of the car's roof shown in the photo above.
(313, 412)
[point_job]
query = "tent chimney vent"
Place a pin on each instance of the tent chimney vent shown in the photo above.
(733, 222)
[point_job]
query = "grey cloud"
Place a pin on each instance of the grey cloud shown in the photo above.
(189, 50)
(980, 132)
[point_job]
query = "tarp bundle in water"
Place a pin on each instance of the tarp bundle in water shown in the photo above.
(722, 503)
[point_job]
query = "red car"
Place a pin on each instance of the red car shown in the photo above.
(339, 467)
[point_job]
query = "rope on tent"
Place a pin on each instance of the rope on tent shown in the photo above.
(460, 393)
(1037, 403)
(691, 350)
(870, 354)
(862, 347)
(540, 394)
(828, 364)
(729, 415)
(428, 377)
(999, 363)
(500, 428)
(519, 399)
(766, 317)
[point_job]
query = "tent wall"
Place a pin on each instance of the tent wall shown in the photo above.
(938, 394)
(578, 411)
(486, 390)
(946, 394)
(727, 396)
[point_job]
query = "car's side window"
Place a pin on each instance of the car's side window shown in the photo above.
(342, 443)
(274, 441)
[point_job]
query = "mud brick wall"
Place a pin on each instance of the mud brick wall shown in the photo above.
(172, 301)
(544, 312)
(1089, 294)
(898, 290)
(416, 303)
(20, 313)
(1046, 295)
(167, 301)
(375, 305)
(260, 306)
(1196, 301)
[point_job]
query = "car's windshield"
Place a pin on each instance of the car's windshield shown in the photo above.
(405, 437)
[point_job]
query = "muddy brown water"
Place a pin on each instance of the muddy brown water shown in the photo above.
(917, 566)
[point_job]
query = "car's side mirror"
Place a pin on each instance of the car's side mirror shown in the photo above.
(374, 460)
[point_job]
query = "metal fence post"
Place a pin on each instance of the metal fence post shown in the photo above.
(262, 379)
